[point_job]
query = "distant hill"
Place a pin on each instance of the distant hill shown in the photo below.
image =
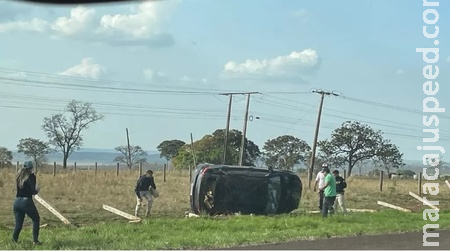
(90, 156)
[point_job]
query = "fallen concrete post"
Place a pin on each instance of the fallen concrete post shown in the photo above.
(130, 217)
(51, 209)
(421, 200)
(393, 206)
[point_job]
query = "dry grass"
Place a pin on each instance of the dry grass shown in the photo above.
(363, 193)
(79, 196)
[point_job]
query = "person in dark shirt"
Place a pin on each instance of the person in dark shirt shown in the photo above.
(23, 204)
(145, 188)
(340, 186)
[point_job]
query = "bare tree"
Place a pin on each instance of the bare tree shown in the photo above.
(64, 132)
(35, 149)
(138, 155)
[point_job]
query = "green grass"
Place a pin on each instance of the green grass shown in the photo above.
(79, 197)
(206, 232)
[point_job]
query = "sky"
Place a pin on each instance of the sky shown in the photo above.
(160, 68)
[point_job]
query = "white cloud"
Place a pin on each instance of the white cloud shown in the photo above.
(86, 69)
(79, 20)
(33, 25)
(400, 72)
(143, 26)
(289, 68)
(448, 59)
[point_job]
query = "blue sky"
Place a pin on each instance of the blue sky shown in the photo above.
(362, 50)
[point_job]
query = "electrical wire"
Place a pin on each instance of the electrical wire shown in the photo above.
(112, 108)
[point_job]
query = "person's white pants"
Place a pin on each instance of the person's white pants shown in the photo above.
(340, 199)
(147, 196)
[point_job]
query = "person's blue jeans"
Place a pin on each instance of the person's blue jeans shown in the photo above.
(25, 206)
(328, 204)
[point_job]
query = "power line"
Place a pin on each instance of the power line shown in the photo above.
(389, 106)
(165, 111)
(106, 83)
(103, 85)
(199, 116)
(396, 124)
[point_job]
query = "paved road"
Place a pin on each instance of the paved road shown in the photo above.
(406, 241)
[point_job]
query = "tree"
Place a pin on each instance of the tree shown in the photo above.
(209, 149)
(64, 132)
(35, 149)
(285, 152)
(6, 157)
(169, 148)
(352, 143)
(389, 157)
(138, 155)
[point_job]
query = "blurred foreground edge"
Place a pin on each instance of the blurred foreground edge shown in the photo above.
(80, 1)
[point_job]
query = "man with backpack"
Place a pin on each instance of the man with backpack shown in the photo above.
(145, 188)
(340, 186)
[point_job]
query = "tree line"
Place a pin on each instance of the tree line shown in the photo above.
(350, 145)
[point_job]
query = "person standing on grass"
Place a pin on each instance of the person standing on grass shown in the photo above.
(23, 204)
(145, 188)
(340, 186)
(329, 192)
(320, 181)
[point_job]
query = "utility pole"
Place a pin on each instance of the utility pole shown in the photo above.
(244, 131)
(316, 134)
(225, 147)
(129, 150)
(227, 130)
(193, 152)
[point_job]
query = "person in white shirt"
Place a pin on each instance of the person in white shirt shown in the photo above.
(320, 180)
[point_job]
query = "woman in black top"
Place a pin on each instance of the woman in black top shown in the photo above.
(26, 188)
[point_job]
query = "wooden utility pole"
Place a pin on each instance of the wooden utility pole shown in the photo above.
(129, 150)
(193, 151)
(227, 130)
(316, 134)
(244, 131)
(225, 147)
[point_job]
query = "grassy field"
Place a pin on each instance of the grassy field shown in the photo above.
(79, 197)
